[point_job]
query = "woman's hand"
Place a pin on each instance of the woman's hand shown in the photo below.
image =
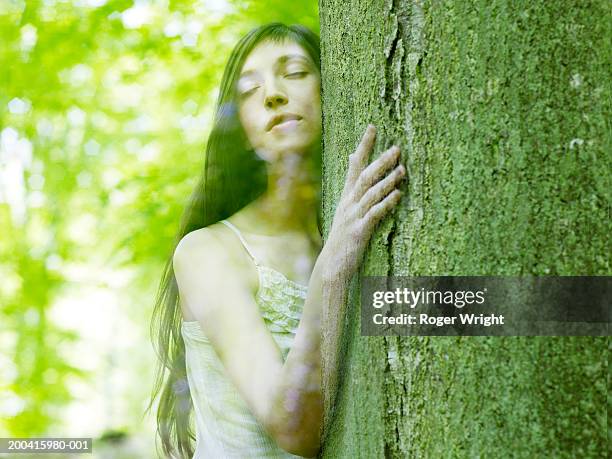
(367, 197)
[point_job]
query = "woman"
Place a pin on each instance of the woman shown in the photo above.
(242, 345)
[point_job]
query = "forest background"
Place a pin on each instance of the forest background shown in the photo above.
(105, 108)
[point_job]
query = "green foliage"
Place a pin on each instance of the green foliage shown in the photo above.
(105, 107)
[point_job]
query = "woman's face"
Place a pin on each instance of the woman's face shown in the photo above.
(279, 100)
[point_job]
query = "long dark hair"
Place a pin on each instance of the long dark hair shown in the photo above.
(232, 177)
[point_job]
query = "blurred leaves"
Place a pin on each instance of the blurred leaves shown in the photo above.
(105, 107)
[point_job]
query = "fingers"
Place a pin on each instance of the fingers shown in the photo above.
(378, 211)
(381, 189)
(359, 159)
(376, 170)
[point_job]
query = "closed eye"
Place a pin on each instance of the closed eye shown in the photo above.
(248, 92)
(296, 74)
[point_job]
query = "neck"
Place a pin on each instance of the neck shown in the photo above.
(290, 201)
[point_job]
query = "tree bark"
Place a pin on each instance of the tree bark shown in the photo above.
(501, 111)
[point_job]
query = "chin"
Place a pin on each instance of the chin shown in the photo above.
(284, 146)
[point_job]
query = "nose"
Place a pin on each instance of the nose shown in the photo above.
(274, 96)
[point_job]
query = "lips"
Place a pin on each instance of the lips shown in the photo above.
(281, 118)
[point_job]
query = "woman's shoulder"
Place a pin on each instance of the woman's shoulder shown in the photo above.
(202, 237)
(214, 248)
(195, 242)
(212, 240)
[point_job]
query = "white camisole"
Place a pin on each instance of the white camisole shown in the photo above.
(225, 426)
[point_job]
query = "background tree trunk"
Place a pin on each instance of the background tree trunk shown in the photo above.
(500, 109)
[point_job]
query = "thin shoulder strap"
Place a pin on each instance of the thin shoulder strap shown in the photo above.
(237, 232)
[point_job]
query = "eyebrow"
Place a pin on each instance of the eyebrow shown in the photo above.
(281, 60)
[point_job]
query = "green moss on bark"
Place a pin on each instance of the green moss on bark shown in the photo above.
(502, 112)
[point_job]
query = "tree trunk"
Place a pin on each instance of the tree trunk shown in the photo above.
(500, 110)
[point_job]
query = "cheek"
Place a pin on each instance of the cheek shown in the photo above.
(247, 121)
(315, 111)
(315, 104)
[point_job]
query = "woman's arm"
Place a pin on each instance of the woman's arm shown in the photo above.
(297, 408)
(365, 200)
(299, 404)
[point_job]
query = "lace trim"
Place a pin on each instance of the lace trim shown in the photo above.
(280, 301)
